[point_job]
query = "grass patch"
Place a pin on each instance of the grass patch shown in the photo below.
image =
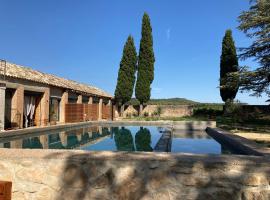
(248, 125)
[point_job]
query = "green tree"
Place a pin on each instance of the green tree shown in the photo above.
(126, 74)
(123, 140)
(143, 140)
(146, 62)
(255, 23)
(228, 65)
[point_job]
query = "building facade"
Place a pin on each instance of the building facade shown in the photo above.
(32, 98)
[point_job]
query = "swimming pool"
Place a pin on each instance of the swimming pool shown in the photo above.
(119, 138)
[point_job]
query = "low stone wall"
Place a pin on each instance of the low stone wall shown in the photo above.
(166, 110)
(193, 125)
(55, 174)
(254, 109)
(264, 109)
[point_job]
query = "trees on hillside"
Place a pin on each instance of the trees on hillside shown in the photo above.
(126, 73)
(146, 62)
(255, 23)
(228, 64)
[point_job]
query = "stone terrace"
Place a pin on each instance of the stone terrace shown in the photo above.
(55, 174)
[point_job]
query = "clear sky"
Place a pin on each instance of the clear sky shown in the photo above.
(83, 40)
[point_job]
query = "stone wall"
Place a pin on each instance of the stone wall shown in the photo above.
(55, 174)
(166, 110)
(254, 109)
(264, 109)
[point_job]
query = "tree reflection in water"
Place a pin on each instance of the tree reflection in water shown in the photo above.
(143, 140)
(123, 139)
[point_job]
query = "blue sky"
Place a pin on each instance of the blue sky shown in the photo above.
(83, 40)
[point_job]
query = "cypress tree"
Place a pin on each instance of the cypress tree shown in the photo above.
(146, 61)
(126, 73)
(124, 140)
(143, 140)
(228, 66)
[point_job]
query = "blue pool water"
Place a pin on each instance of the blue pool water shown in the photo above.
(197, 146)
(128, 138)
(188, 141)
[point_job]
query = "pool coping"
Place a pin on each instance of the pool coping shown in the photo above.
(20, 154)
(237, 142)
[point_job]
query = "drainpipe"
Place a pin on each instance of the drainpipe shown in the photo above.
(2, 105)
(2, 96)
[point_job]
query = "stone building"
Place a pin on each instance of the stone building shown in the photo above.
(32, 98)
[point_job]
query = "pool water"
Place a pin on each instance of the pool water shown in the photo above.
(132, 138)
(127, 138)
(189, 141)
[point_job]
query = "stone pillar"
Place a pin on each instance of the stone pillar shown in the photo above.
(111, 108)
(17, 104)
(63, 102)
(63, 138)
(109, 102)
(90, 100)
(16, 144)
(90, 134)
(45, 107)
(2, 105)
(79, 100)
(79, 136)
(111, 132)
(100, 109)
(44, 140)
(100, 130)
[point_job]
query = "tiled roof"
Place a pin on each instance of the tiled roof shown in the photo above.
(20, 72)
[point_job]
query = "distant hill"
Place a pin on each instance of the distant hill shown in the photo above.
(170, 101)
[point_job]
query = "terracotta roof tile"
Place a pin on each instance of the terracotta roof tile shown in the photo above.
(17, 71)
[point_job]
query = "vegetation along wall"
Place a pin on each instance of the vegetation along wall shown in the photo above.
(160, 110)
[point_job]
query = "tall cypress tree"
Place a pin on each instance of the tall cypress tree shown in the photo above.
(228, 66)
(146, 62)
(126, 73)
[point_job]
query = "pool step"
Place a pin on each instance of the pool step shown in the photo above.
(165, 142)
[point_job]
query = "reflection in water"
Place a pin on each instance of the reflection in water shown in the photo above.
(114, 138)
(63, 140)
(143, 140)
(123, 140)
(33, 143)
(132, 138)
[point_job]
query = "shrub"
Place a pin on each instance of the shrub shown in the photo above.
(207, 112)
(134, 114)
(233, 108)
(145, 114)
(159, 110)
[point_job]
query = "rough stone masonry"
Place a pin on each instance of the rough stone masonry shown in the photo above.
(56, 174)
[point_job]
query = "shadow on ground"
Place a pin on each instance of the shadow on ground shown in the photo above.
(134, 176)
